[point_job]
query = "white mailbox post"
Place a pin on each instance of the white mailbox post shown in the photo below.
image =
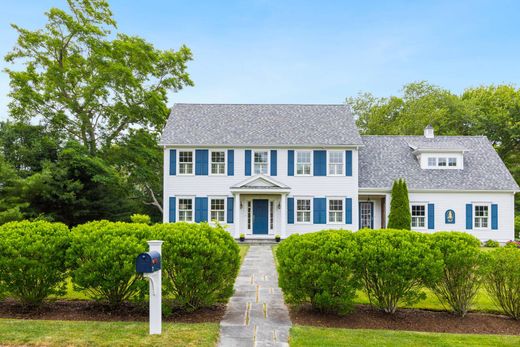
(155, 291)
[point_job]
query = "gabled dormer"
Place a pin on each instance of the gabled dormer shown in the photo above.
(437, 155)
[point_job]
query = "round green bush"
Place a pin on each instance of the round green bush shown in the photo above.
(491, 244)
(462, 270)
(200, 263)
(502, 279)
(140, 218)
(394, 265)
(32, 260)
(319, 268)
(102, 260)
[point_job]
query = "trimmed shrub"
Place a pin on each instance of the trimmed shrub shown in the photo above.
(517, 227)
(140, 218)
(32, 257)
(200, 262)
(400, 216)
(491, 244)
(512, 244)
(102, 258)
(503, 280)
(462, 272)
(319, 268)
(394, 265)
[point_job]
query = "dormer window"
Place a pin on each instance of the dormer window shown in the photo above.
(442, 162)
(452, 162)
(432, 162)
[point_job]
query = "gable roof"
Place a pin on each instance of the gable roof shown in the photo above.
(384, 159)
(260, 125)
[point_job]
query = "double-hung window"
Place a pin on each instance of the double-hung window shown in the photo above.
(217, 210)
(303, 163)
(481, 216)
(261, 162)
(218, 162)
(185, 162)
(336, 211)
(418, 216)
(432, 162)
(185, 210)
(442, 162)
(452, 162)
(303, 210)
(336, 159)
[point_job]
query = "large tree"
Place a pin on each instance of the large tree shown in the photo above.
(79, 77)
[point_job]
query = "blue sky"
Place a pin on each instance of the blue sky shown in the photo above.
(312, 51)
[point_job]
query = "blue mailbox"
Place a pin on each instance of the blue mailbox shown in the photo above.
(148, 262)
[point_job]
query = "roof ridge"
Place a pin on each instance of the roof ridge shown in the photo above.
(258, 104)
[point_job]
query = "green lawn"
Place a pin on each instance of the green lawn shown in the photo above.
(68, 333)
(303, 336)
(243, 252)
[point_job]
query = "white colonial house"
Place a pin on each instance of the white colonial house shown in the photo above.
(264, 170)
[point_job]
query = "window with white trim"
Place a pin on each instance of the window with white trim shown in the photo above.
(185, 210)
(481, 216)
(218, 162)
(185, 162)
(261, 162)
(442, 162)
(418, 216)
(452, 162)
(303, 210)
(432, 162)
(336, 159)
(217, 208)
(303, 163)
(335, 210)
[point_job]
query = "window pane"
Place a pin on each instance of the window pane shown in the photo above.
(442, 161)
(452, 162)
(432, 162)
(218, 157)
(185, 157)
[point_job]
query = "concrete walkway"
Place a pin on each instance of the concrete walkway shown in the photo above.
(256, 314)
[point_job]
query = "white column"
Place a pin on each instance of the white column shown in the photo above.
(236, 215)
(283, 217)
(155, 292)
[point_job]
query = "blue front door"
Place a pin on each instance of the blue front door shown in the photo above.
(260, 216)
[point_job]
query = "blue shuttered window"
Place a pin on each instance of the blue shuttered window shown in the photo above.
(230, 162)
(348, 163)
(320, 211)
(494, 216)
(230, 207)
(173, 162)
(201, 210)
(201, 162)
(431, 216)
(469, 216)
(290, 162)
(320, 163)
(348, 211)
(247, 162)
(172, 212)
(290, 210)
(274, 162)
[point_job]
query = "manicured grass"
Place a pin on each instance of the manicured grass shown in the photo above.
(310, 336)
(68, 333)
(243, 252)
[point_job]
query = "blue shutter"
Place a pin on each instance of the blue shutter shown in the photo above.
(290, 210)
(172, 214)
(431, 216)
(173, 162)
(494, 216)
(201, 210)
(230, 207)
(348, 164)
(320, 210)
(290, 162)
(201, 162)
(230, 162)
(274, 162)
(348, 211)
(320, 163)
(469, 216)
(248, 162)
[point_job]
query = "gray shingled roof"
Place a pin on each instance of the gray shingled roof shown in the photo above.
(260, 124)
(384, 159)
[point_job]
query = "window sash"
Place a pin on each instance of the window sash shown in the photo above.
(432, 162)
(218, 162)
(481, 218)
(442, 162)
(452, 162)
(185, 162)
(335, 211)
(185, 210)
(261, 162)
(303, 163)
(303, 210)
(217, 210)
(336, 162)
(418, 216)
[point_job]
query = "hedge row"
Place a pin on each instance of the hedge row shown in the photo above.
(200, 262)
(393, 267)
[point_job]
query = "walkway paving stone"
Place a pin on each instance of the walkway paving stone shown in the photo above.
(256, 314)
